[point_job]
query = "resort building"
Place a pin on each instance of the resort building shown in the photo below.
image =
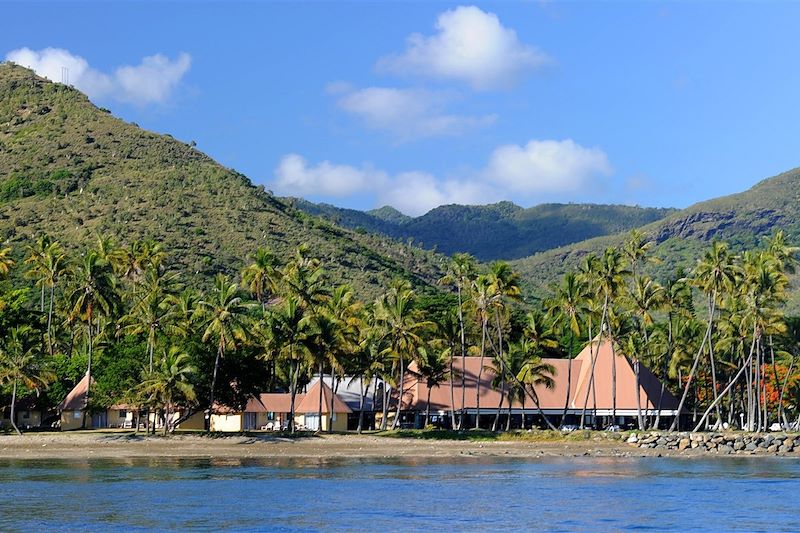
(576, 388)
(271, 411)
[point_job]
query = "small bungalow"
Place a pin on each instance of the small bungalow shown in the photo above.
(74, 414)
(307, 413)
(28, 414)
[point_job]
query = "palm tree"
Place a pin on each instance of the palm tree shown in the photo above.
(504, 282)
(94, 294)
(20, 365)
(6, 262)
(402, 331)
(259, 277)
(327, 343)
(48, 267)
(168, 384)
(134, 261)
(610, 277)
(645, 297)
(714, 273)
(154, 311)
(483, 299)
(676, 301)
(448, 332)
(533, 372)
(460, 274)
(287, 332)
(225, 314)
(564, 309)
(434, 367)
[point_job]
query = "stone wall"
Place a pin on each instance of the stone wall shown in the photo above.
(721, 443)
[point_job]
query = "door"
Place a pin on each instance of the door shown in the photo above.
(312, 422)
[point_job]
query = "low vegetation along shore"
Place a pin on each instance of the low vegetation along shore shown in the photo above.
(398, 445)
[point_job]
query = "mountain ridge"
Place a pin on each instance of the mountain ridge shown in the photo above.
(502, 230)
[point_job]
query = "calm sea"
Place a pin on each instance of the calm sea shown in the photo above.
(580, 494)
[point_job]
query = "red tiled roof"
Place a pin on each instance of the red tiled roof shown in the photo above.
(415, 390)
(273, 402)
(310, 403)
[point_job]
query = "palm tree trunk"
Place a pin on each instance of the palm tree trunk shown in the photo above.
(508, 420)
(640, 420)
(657, 421)
(569, 376)
(480, 374)
(732, 382)
(293, 368)
(452, 395)
(334, 391)
(385, 407)
(711, 358)
(14, 409)
(463, 359)
(499, 405)
(88, 373)
(213, 385)
(400, 385)
(781, 416)
(362, 401)
(706, 338)
(319, 409)
(50, 321)
(428, 408)
(591, 376)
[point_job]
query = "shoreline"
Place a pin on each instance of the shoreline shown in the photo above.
(126, 445)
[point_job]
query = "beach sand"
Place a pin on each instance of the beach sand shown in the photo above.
(111, 444)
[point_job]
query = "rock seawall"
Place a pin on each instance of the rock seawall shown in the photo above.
(720, 443)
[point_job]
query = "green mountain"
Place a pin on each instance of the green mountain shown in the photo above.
(742, 219)
(73, 170)
(497, 231)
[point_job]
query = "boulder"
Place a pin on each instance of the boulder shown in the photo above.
(750, 446)
(683, 444)
(725, 449)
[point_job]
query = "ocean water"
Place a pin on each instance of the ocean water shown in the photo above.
(475, 494)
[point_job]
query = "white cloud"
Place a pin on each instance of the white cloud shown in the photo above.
(542, 167)
(541, 170)
(416, 193)
(406, 113)
(296, 177)
(471, 46)
(152, 81)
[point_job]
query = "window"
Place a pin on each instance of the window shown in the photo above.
(76, 415)
(26, 414)
(123, 413)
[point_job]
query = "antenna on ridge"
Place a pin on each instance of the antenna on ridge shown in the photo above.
(65, 75)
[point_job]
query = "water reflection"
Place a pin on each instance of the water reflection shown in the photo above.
(476, 493)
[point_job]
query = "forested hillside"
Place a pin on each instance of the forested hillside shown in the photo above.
(72, 170)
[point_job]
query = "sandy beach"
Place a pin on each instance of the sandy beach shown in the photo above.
(119, 445)
(108, 444)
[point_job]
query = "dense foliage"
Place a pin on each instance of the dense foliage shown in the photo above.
(123, 314)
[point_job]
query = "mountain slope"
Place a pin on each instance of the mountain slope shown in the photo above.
(74, 171)
(497, 231)
(742, 219)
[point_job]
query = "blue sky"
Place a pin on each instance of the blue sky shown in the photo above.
(416, 104)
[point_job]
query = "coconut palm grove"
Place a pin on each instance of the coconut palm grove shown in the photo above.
(716, 336)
